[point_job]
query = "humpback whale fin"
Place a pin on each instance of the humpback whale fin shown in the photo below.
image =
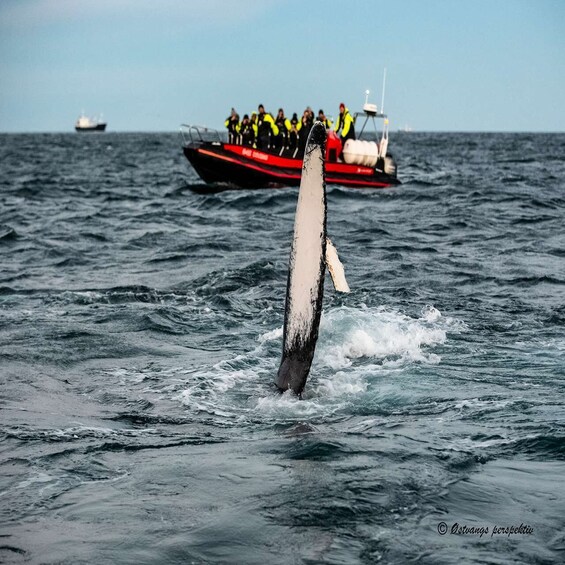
(335, 267)
(307, 268)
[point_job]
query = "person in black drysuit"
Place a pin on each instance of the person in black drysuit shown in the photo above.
(283, 123)
(306, 123)
(232, 123)
(293, 133)
(247, 130)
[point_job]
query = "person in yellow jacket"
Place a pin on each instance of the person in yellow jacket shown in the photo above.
(326, 121)
(267, 129)
(344, 125)
(232, 123)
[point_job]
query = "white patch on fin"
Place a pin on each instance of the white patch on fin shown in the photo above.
(307, 247)
(306, 270)
(335, 267)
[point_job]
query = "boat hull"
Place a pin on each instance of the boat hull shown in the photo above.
(97, 127)
(237, 166)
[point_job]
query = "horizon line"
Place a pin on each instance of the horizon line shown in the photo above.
(393, 130)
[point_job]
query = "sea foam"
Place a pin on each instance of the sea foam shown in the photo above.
(377, 334)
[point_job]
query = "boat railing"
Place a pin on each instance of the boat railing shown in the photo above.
(199, 134)
(365, 133)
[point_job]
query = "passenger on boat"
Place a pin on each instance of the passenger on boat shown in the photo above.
(232, 123)
(267, 129)
(344, 124)
(247, 131)
(306, 123)
(295, 126)
(283, 123)
(322, 118)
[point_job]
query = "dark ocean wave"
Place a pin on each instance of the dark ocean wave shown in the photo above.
(539, 447)
(7, 234)
(221, 282)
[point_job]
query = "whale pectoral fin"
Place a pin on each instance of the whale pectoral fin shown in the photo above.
(335, 267)
(306, 269)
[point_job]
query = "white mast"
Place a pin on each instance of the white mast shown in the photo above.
(383, 96)
(383, 146)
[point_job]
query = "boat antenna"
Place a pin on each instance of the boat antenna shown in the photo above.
(383, 96)
(367, 92)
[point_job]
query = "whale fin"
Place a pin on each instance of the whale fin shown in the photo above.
(335, 267)
(306, 270)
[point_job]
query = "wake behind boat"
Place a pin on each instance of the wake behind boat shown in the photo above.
(358, 163)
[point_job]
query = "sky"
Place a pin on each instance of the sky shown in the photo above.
(150, 65)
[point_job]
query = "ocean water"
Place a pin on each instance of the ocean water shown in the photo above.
(141, 329)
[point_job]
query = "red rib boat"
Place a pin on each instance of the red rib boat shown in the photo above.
(359, 164)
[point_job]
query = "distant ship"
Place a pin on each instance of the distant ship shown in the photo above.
(89, 124)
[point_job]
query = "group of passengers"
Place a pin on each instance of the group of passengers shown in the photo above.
(282, 134)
